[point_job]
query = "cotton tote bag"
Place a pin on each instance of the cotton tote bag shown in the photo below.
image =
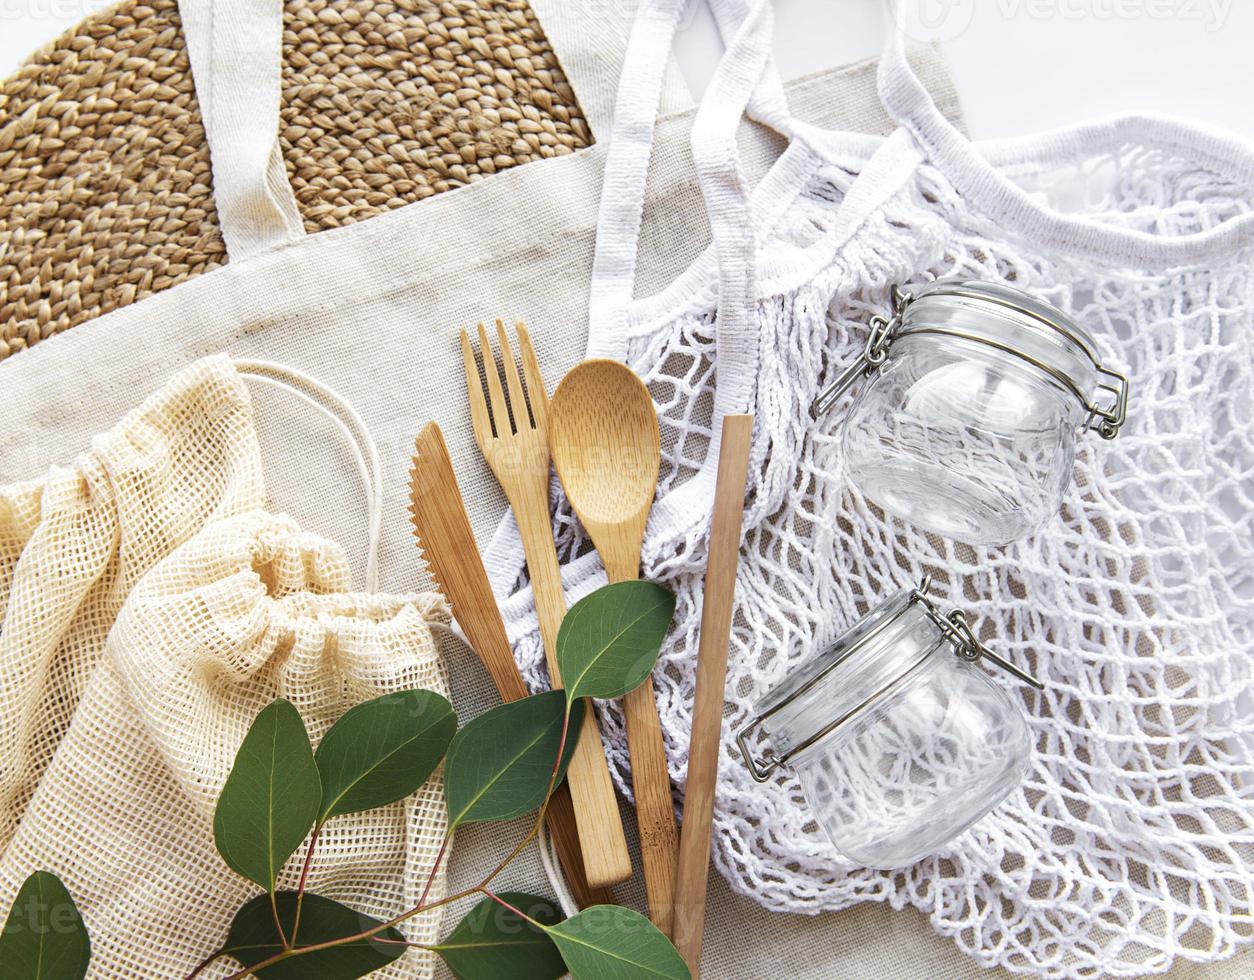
(408, 280)
(1128, 846)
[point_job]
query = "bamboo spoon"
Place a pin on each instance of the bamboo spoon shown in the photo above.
(707, 713)
(603, 435)
(515, 447)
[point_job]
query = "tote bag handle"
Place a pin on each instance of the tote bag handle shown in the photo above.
(743, 74)
(235, 48)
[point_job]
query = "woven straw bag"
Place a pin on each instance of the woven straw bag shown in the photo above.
(105, 179)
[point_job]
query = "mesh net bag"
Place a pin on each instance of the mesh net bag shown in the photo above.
(1130, 844)
(250, 609)
(74, 542)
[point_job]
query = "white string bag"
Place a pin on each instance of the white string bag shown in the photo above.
(1131, 842)
(248, 609)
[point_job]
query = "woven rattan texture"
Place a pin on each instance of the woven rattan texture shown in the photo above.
(105, 182)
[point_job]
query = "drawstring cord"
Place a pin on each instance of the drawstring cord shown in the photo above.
(366, 455)
(356, 435)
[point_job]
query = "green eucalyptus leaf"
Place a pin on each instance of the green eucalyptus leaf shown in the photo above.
(252, 939)
(608, 942)
(498, 766)
(383, 750)
(492, 942)
(271, 798)
(44, 937)
(610, 639)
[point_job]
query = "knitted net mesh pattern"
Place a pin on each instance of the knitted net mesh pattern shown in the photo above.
(1131, 840)
(106, 189)
(74, 543)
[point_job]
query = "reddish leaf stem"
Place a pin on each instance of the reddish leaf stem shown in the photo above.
(304, 877)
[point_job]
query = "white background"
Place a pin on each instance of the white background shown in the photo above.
(1020, 65)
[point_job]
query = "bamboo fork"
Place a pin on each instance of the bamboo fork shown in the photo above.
(515, 445)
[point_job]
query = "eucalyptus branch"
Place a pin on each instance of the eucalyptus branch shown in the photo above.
(506, 905)
(544, 808)
(435, 867)
(205, 963)
(481, 888)
(498, 766)
(278, 925)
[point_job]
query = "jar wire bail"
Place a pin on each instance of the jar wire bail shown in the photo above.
(1105, 419)
(873, 355)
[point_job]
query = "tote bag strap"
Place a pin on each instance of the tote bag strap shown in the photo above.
(742, 72)
(768, 104)
(725, 189)
(235, 48)
(986, 185)
(590, 40)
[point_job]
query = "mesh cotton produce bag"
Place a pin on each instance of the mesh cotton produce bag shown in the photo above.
(74, 542)
(250, 609)
(1130, 845)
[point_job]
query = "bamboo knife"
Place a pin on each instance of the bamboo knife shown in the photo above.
(448, 546)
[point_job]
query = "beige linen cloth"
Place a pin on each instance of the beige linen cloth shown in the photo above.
(518, 244)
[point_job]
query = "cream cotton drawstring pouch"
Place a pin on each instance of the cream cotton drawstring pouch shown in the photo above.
(74, 543)
(121, 784)
(1130, 845)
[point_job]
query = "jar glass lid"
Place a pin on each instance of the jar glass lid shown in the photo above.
(999, 316)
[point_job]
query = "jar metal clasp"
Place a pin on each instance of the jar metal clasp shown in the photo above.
(953, 626)
(874, 354)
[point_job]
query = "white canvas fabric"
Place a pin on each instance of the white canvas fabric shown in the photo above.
(1130, 845)
(373, 309)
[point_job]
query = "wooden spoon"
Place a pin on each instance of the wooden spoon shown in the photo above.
(604, 439)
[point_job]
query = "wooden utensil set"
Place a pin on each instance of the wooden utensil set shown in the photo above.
(601, 432)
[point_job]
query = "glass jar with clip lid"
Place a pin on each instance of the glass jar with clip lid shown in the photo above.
(900, 741)
(976, 393)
